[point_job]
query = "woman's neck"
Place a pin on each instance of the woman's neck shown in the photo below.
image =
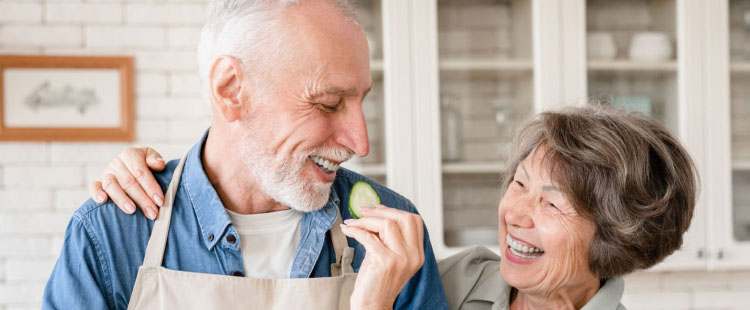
(574, 297)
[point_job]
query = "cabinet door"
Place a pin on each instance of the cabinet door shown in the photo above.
(731, 141)
(640, 58)
(485, 91)
(373, 165)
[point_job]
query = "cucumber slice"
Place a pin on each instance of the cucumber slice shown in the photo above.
(362, 195)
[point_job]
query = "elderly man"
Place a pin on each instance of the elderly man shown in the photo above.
(261, 195)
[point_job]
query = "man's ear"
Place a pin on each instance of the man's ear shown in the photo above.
(226, 82)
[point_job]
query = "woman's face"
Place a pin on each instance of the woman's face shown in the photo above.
(543, 240)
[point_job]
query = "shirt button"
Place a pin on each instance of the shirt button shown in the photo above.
(231, 239)
(237, 274)
(210, 237)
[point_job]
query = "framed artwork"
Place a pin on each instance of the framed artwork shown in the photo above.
(62, 98)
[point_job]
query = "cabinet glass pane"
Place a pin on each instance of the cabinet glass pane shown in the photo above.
(373, 165)
(486, 81)
(739, 38)
(631, 50)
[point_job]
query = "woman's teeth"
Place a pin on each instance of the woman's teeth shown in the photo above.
(324, 164)
(521, 250)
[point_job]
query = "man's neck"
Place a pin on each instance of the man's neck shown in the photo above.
(232, 179)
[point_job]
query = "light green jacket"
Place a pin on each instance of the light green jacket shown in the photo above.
(472, 281)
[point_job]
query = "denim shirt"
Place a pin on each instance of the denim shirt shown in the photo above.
(104, 247)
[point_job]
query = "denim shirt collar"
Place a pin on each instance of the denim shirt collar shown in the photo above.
(214, 221)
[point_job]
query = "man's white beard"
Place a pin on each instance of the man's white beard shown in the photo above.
(283, 182)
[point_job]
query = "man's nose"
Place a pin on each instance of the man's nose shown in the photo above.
(352, 130)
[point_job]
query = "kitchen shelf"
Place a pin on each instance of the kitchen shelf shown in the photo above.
(627, 65)
(473, 167)
(487, 64)
(740, 67)
(741, 165)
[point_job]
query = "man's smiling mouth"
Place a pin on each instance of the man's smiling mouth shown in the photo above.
(326, 165)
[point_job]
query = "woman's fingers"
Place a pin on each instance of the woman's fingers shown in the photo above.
(138, 162)
(121, 199)
(128, 178)
(97, 193)
(154, 159)
(130, 185)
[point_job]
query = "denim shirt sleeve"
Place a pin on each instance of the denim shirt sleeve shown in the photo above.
(80, 279)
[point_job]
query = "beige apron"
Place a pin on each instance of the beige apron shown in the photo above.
(159, 288)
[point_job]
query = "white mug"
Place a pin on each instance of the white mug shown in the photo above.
(650, 46)
(601, 46)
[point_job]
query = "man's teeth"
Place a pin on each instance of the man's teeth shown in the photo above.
(323, 163)
(522, 250)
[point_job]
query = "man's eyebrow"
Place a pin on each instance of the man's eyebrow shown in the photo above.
(338, 91)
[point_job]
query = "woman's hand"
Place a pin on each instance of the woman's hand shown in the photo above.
(394, 244)
(129, 176)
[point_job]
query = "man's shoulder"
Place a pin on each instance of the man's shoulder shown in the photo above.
(345, 179)
(100, 218)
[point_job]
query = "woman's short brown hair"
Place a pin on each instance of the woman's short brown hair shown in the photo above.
(623, 171)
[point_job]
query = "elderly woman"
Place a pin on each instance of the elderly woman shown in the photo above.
(591, 194)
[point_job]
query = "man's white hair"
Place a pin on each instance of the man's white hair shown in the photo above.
(247, 30)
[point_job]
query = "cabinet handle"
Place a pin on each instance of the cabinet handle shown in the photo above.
(700, 253)
(720, 254)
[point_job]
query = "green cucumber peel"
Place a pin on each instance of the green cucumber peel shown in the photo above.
(362, 195)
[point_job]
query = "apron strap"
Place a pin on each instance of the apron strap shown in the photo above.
(158, 240)
(344, 254)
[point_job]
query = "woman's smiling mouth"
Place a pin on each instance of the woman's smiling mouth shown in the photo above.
(522, 249)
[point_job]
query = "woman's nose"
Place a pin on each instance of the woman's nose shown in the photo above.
(519, 213)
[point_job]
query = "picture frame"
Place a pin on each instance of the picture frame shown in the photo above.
(66, 98)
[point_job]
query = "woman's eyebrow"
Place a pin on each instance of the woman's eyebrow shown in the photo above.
(551, 188)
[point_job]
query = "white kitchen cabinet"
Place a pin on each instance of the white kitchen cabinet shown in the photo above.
(458, 76)
(728, 184)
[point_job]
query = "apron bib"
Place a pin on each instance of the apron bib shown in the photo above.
(157, 287)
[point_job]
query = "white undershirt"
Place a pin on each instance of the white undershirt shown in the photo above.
(268, 242)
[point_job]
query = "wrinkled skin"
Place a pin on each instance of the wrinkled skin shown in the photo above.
(536, 210)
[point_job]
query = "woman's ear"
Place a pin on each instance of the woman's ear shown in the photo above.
(226, 82)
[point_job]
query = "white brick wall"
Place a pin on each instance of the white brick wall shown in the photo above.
(79, 13)
(41, 184)
(125, 37)
(21, 12)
